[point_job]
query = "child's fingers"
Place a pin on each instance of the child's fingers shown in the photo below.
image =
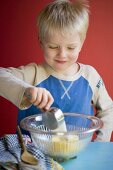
(40, 103)
(38, 98)
(46, 102)
(50, 102)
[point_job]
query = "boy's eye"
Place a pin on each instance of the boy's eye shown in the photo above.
(53, 47)
(71, 48)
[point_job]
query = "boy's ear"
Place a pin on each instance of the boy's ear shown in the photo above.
(41, 44)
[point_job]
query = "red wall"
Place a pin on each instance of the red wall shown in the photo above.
(19, 45)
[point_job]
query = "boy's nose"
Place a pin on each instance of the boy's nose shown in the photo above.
(62, 53)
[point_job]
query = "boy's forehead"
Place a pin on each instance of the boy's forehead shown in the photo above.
(61, 33)
(62, 36)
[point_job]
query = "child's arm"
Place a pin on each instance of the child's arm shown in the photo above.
(104, 107)
(12, 86)
(15, 81)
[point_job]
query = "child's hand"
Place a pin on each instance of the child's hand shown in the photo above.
(40, 97)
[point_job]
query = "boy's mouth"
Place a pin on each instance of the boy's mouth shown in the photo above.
(60, 61)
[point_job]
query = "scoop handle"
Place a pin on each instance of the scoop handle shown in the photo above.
(21, 138)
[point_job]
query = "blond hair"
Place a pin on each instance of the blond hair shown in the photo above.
(65, 16)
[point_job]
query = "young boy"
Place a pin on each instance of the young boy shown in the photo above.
(60, 81)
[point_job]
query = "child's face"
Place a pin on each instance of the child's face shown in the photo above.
(61, 51)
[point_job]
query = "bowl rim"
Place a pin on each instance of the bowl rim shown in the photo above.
(97, 122)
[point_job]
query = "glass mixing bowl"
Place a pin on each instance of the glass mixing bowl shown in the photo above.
(62, 145)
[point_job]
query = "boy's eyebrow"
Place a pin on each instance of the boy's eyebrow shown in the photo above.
(72, 44)
(75, 43)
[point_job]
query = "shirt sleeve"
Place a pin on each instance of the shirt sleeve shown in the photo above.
(14, 81)
(104, 111)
